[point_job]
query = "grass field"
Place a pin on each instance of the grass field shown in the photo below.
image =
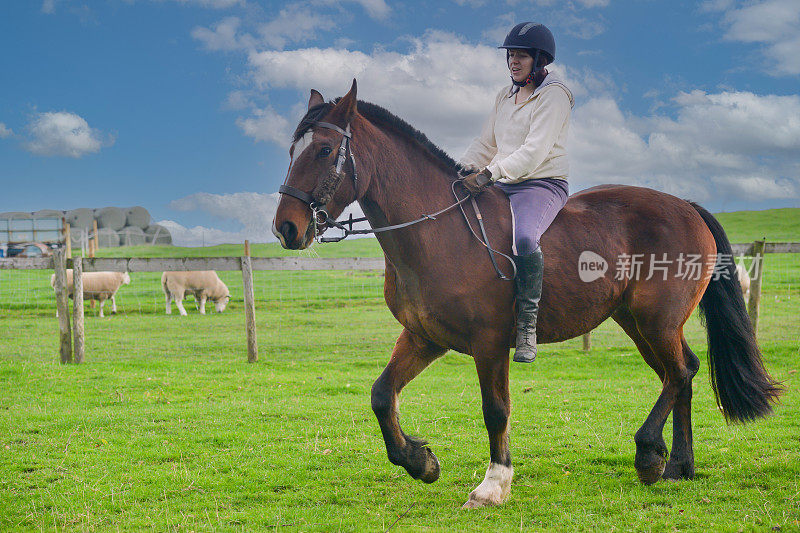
(166, 427)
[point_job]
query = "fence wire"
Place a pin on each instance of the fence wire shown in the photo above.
(343, 308)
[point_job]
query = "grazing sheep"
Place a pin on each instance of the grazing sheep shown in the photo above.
(744, 281)
(99, 286)
(204, 284)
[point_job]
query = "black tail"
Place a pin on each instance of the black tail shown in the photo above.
(743, 387)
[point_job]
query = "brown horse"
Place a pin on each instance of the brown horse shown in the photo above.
(441, 287)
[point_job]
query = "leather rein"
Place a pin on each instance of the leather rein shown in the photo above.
(318, 199)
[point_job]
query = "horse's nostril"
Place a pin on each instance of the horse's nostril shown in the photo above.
(289, 232)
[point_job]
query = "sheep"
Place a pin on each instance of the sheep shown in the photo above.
(204, 284)
(97, 286)
(744, 281)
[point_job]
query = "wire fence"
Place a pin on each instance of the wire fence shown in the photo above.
(293, 306)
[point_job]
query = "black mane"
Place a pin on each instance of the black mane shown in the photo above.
(376, 113)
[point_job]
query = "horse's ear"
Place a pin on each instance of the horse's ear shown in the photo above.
(347, 105)
(316, 99)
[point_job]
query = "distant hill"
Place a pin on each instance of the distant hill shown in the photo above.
(776, 225)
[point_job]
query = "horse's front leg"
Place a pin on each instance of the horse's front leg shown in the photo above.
(493, 376)
(410, 357)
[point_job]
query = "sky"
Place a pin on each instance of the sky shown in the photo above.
(186, 107)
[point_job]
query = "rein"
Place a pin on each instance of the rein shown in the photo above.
(320, 217)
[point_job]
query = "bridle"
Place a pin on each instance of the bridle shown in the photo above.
(319, 203)
(318, 200)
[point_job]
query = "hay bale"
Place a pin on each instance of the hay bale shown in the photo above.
(131, 236)
(16, 215)
(80, 218)
(138, 217)
(157, 234)
(107, 238)
(48, 213)
(110, 217)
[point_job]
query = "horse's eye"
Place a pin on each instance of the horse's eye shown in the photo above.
(325, 151)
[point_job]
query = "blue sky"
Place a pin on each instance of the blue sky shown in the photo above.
(185, 106)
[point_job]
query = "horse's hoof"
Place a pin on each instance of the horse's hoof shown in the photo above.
(676, 471)
(476, 502)
(432, 468)
(650, 462)
(652, 470)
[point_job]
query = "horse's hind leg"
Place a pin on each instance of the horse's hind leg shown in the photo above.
(663, 349)
(681, 460)
(411, 355)
(493, 376)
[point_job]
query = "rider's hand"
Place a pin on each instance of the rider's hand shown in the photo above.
(477, 181)
(465, 169)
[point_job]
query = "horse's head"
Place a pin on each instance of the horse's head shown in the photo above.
(322, 178)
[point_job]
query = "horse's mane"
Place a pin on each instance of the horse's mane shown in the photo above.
(377, 114)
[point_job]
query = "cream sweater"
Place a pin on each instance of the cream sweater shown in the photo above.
(527, 140)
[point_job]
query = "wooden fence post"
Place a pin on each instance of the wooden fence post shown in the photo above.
(62, 305)
(587, 341)
(96, 236)
(755, 283)
(249, 305)
(79, 344)
(68, 240)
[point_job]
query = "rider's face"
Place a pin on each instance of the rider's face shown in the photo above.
(520, 64)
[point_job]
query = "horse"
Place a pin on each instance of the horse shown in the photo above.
(441, 287)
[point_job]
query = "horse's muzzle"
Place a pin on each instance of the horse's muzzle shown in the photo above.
(287, 234)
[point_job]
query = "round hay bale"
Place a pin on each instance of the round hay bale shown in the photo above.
(16, 215)
(107, 238)
(157, 234)
(110, 217)
(48, 213)
(80, 218)
(137, 217)
(131, 236)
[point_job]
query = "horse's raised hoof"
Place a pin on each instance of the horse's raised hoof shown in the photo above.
(432, 468)
(421, 463)
(675, 471)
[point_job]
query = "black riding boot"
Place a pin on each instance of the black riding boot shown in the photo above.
(528, 285)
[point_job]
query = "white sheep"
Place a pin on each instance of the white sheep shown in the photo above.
(203, 284)
(744, 281)
(99, 286)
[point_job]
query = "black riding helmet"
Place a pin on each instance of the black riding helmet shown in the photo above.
(531, 36)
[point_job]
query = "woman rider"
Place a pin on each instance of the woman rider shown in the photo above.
(522, 150)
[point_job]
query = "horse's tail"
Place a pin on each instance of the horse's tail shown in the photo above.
(743, 388)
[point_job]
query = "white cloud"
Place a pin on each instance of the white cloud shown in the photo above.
(267, 125)
(5, 131)
(213, 4)
(224, 36)
(773, 23)
(730, 145)
(49, 7)
(705, 146)
(377, 9)
(201, 235)
(295, 23)
(64, 134)
(254, 211)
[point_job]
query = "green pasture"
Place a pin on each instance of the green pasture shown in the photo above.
(167, 427)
